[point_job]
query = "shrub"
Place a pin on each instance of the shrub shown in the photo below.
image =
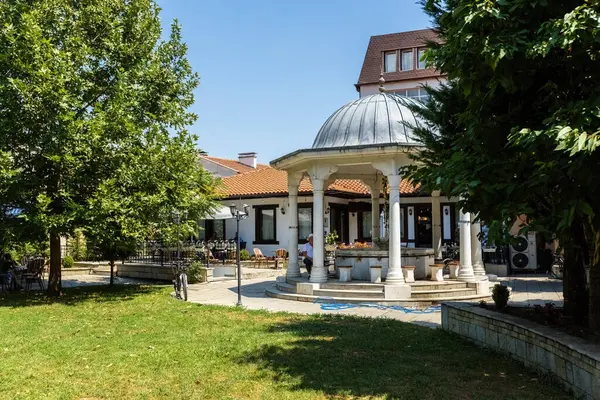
(194, 272)
(68, 262)
(500, 295)
(244, 255)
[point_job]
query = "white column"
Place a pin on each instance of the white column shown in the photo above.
(476, 252)
(436, 220)
(465, 273)
(293, 269)
(375, 228)
(394, 274)
(318, 274)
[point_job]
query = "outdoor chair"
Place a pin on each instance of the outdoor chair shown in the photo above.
(258, 257)
(34, 274)
(280, 255)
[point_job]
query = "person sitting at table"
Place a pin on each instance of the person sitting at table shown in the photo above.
(7, 268)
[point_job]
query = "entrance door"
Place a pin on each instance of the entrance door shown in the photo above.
(339, 221)
(424, 225)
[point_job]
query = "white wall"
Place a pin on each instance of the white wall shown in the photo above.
(366, 90)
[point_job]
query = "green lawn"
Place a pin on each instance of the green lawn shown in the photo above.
(137, 342)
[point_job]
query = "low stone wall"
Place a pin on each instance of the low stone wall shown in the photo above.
(145, 271)
(575, 362)
(75, 271)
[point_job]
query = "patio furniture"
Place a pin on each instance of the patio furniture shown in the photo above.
(345, 273)
(33, 274)
(3, 282)
(437, 272)
(258, 256)
(409, 273)
(280, 255)
(375, 273)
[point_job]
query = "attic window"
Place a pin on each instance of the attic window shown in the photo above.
(407, 60)
(389, 61)
(420, 53)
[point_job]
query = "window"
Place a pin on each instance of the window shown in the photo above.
(402, 219)
(407, 60)
(266, 224)
(305, 223)
(364, 226)
(420, 53)
(417, 94)
(212, 230)
(390, 61)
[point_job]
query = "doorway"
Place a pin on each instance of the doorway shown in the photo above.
(424, 226)
(339, 221)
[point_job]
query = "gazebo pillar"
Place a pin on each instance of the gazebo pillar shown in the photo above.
(436, 221)
(476, 252)
(375, 189)
(318, 177)
(394, 274)
(465, 272)
(293, 269)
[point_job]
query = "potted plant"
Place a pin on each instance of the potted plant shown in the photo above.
(330, 241)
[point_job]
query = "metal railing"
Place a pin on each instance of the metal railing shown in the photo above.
(157, 252)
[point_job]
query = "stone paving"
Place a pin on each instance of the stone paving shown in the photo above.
(526, 290)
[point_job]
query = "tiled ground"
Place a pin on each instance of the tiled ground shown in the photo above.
(529, 290)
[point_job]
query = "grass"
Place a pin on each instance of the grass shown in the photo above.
(137, 342)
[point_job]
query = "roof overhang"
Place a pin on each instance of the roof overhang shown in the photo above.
(300, 160)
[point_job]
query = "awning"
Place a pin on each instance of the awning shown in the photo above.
(222, 212)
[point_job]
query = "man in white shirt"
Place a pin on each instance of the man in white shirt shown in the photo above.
(307, 253)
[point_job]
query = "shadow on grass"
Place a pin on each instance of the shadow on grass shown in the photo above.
(77, 295)
(355, 357)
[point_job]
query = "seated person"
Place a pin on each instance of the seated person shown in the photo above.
(307, 253)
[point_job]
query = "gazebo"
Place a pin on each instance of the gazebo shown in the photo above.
(367, 139)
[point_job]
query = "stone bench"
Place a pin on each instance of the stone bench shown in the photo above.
(409, 273)
(375, 273)
(437, 272)
(345, 273)
(454, 266)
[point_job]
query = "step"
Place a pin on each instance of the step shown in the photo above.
(447, 294)
(285, 287)
(274, 293)
(352, 286)
(365, 294)
(438, 286)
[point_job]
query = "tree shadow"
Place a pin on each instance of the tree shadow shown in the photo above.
(355, 357)
(77, 295)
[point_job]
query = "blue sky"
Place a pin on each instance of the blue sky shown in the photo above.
(273, 71)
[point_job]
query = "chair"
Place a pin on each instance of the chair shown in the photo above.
(258, 256)
(280, 255)
(34, 273)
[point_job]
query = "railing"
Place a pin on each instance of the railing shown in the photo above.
(157, 252)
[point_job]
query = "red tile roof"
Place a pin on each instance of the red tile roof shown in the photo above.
(272, 182)
(234, 164)
(373, 63)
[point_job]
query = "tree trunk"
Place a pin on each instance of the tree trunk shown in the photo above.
(54, 277)
(112, 272)
(594, 286)
(574, 281)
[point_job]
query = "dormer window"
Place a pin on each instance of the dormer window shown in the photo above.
(420, 53)
(407, 60)
(389, 61)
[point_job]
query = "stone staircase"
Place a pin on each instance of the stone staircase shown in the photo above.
(423, 293)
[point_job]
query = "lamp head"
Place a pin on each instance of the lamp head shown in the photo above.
(233, 210)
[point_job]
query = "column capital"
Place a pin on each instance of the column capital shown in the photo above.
(387, 167)
(294, 179)
(321, 172)
(318, 185)
(435, 193)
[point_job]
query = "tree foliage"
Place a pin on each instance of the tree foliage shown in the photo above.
(93, 116)
(515, 131)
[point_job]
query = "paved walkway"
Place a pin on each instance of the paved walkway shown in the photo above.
(529, 290)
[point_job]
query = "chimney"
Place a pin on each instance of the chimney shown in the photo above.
(248, 159)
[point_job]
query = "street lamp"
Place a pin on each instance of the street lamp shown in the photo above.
(238, 215)
(177, 219)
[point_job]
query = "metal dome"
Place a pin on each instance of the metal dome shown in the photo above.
(378, 119)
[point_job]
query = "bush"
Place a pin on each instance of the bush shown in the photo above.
(500, 295)
(194, 272)
(68, 262)
(244, 255)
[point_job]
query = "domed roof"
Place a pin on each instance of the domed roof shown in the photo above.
(378, 119)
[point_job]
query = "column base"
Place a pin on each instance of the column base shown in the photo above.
(318, 275)
(397, 292)
(293, 271)
(479, 270)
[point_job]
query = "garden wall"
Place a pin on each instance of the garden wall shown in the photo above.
(145, 271)
(575, 362)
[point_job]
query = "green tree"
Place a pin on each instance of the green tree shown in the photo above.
(86, 86)
(516, 129)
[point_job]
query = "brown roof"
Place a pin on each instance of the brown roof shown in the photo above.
(272, 182)
(234, 164)
(373, 63)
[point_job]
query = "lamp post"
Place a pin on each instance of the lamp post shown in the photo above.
(238, 215)
(177, 219)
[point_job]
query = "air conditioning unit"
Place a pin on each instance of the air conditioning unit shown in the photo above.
(523, 254)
